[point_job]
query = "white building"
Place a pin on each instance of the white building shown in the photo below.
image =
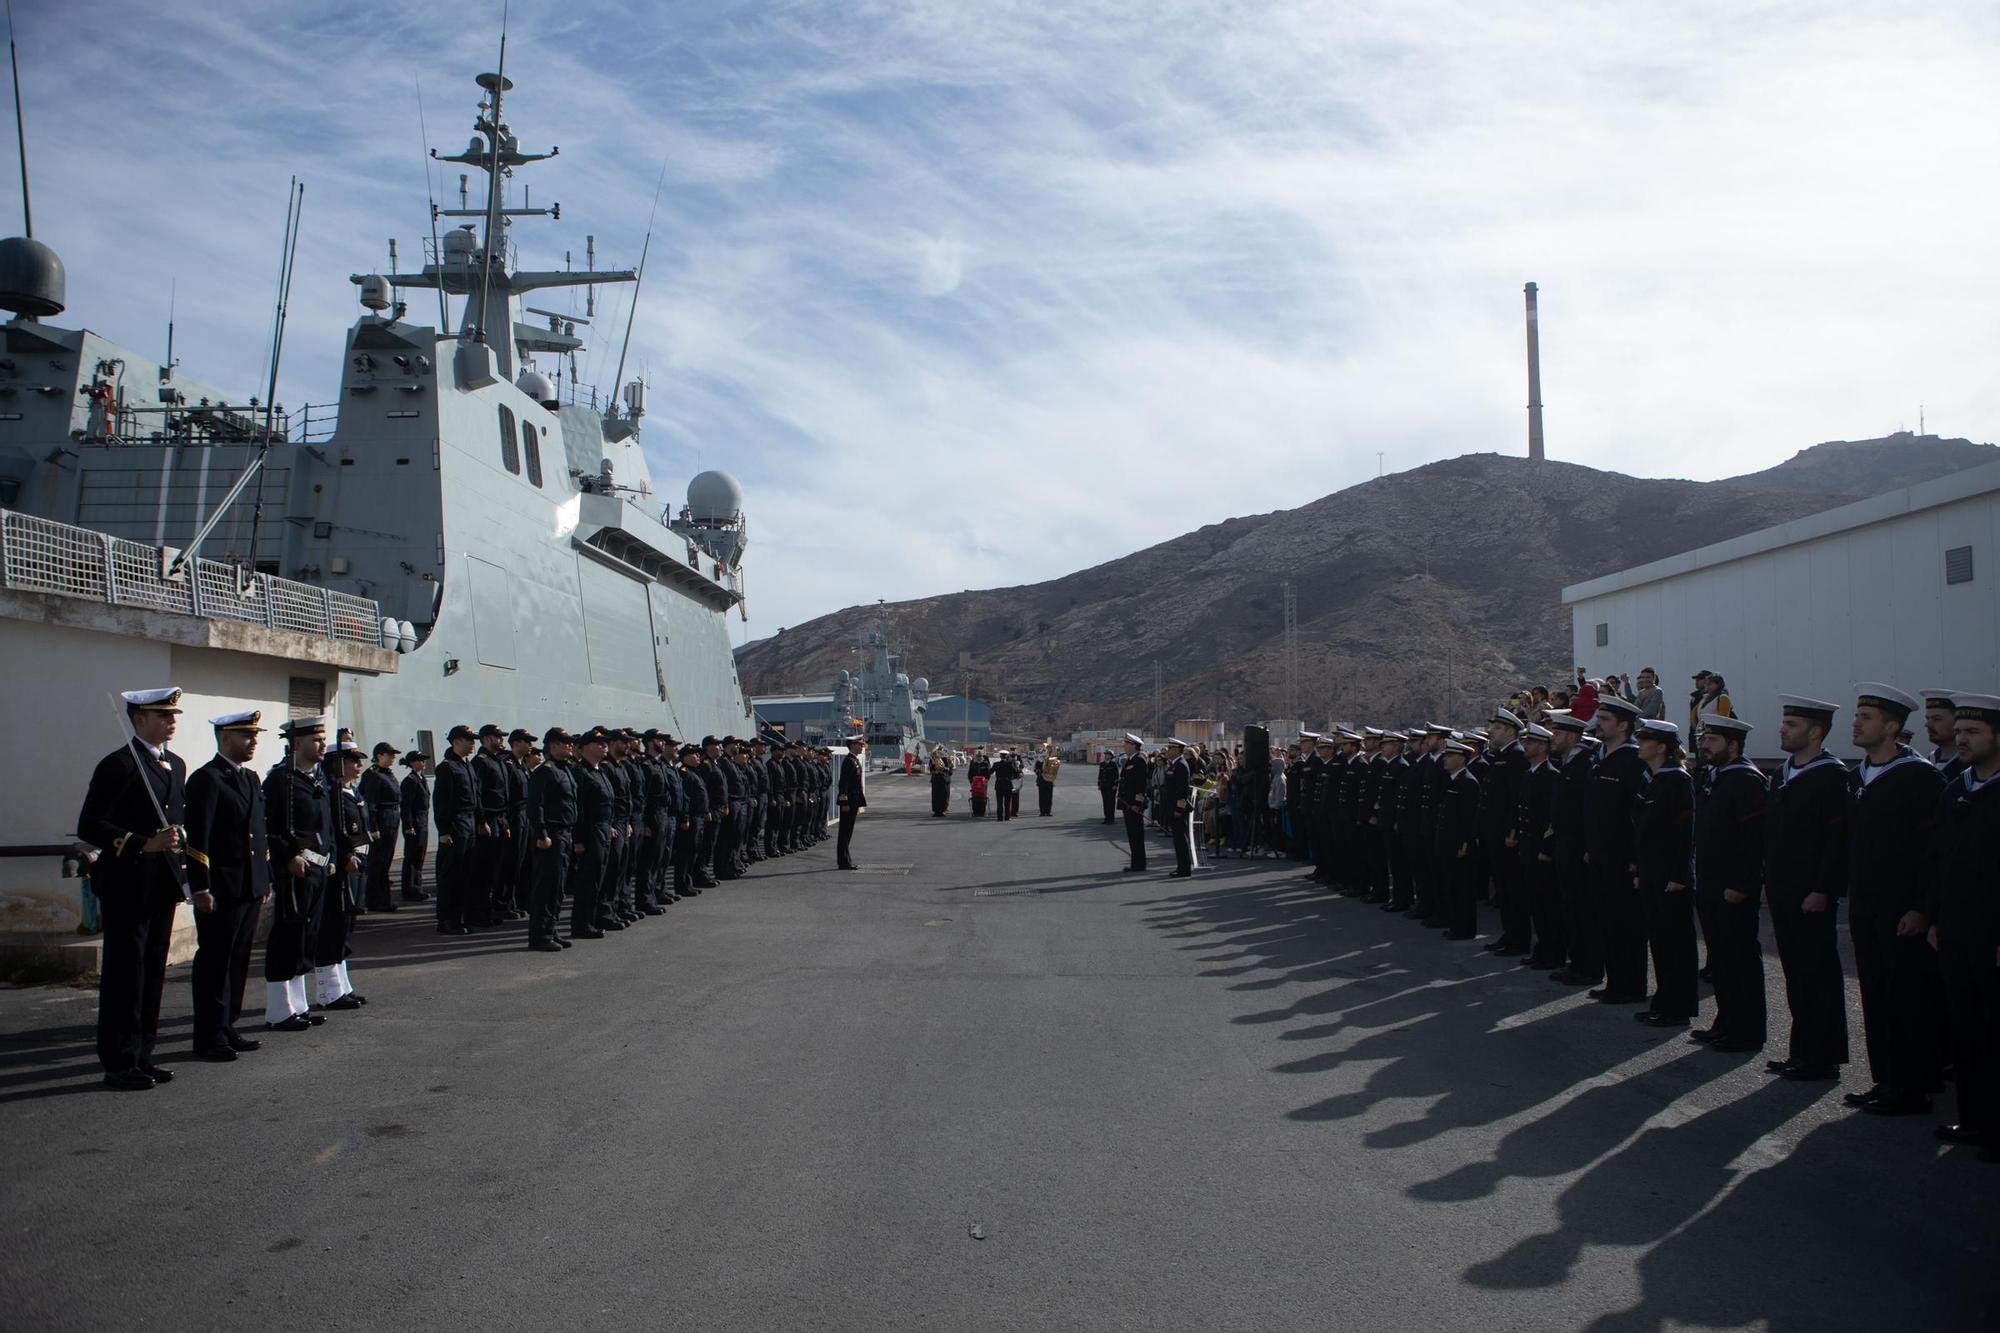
(1901, 587)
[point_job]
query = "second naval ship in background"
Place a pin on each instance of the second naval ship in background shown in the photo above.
(506, 529)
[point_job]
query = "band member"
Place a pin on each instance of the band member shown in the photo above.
(940, 770)
(134, 812)
(229, 871)
(1045, 781)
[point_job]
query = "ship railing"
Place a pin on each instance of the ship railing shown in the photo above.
(41, 555)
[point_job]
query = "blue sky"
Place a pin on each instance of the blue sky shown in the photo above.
(1059, 281)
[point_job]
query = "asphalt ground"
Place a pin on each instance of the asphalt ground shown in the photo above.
(989, 1082)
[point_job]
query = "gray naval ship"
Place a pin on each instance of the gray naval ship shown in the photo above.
(889, 705)
(508, 531)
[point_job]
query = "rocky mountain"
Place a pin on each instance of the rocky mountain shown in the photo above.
(1424, 593)
(1868, 467)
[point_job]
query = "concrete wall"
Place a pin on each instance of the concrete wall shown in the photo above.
(1812, 617)
(58, 721)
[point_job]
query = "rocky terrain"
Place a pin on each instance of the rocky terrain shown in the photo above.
(1423, 593)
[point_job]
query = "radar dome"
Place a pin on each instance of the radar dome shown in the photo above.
(31, 278)
(922, 684)
(538, 387)
(715, 497)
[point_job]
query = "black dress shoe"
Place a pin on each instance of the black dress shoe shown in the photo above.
(651, 910)
(546, 946)
(241, 1044)
(347, 1002)
(1735, 1045)
(313, 1020)
(1860, 1099)
(1657, 1020)
(587, 934)
(1899, 1103)
(296, 1023)
(217, 1055)
(157, 1074)
(1702, 1036)
(127, 1080)
(1961, 1134)
(1133, 870)
(1605, 995)
(847, 867)
(562, 941)
(1182, 874)
(611, 925)
(1777, 1066)
(1810, 1073)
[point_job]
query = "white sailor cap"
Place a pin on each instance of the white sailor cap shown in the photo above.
(347, 747)
(1175, 740)
(853, 736)
(1799, 705)
(1613, 703)
(1537, 732)
(1396, 736)
(1478, 733)
(1659, 729)
(1456, 746)
(1887, 697)
(1730, 726)
(1977, 708)
(1568, 721)
(243, 721)
(1372, 733)
(166, 699)
(1507, 717)
(1941, 697)
(1309, 735)
(1136, 740)
(300, 726)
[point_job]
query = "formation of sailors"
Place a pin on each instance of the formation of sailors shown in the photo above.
(621, 823)
(1600, 847)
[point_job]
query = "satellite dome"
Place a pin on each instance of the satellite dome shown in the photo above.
(922, 684)
(31, 278)
(538, 387)
(715, 497)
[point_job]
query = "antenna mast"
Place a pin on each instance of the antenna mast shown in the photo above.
(618, 380)
(20, 129)
(492, 187)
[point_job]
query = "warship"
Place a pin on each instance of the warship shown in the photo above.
(882, 699)
(502, 518)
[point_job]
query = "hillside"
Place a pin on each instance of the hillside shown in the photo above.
(1868, 467)
(1421, 593)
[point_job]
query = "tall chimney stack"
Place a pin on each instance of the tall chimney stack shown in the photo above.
(1534, 379)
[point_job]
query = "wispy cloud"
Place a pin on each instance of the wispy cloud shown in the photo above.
(977, 293)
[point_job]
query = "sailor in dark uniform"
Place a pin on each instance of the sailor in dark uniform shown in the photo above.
(333, 988)
(1388, 875)
(455, 805)
(1299, 797)
(690, 876)
(1177, 795)
(416, 822)
(1965, 912)
(384, 799)
(1500, 793)
(1533, 849)
(759, 775)
(596, 810)
(1430, 806)
(1413, 820)
(710, 860)
(1892, 834)
(1729, 880)
(853, 797)
(550, 829)
(298, 814)
(1940, 721)
(489, 775)
(1805, 874)
(134, 812)
(1004, 776)
(1107, 784)
(1457, 830)
(516, 886)
(1663, 874)
(229, 873)
(656, 825)
(1614, 800)
(1133, 776)
(612, 884)
(1568, 837)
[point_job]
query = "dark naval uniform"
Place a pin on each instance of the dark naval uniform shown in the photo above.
(1891, 842)
(137, 893)
(1569, 841)
(1965, 904)
(484, 887)
(1457, 830)
(1107, 785)
(352, 836)
(696, 819)
(384, 799)
(298, 807)
(1621, 919)
(455, 804)
(1729, 857)
(1663, 851)
(551, 814)
(1806, 853)
(1500, 793)
(1133, 777)
(1534, 842)
(853, 800)
(229, 859)
(416, 835)
(596, 806)
(1177, 796)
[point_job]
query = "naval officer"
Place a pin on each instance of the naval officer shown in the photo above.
(229, 871)
(298, 807)
(416, 791)
(1177, 795)
(134, 811)
(1107, 783)
(1133, 776)
(853, 798)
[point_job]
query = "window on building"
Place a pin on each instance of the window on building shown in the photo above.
(305, 696)
(1958, 565)
(426, 742)
(1603, 634)
(531, 445)
(510, 448)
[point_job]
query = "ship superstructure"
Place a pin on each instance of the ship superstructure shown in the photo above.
(510, 532)
(888, 703)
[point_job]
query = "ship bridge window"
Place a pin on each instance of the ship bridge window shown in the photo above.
(510, 449)
(531, 445)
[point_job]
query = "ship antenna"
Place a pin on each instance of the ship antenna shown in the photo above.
(430, 196)
(492, 186)
(173, 295)
(618, 380)
(20, 130)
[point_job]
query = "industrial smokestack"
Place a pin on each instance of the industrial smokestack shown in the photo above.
(1534, 378)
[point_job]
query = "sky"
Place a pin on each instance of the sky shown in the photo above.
(972, 293)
